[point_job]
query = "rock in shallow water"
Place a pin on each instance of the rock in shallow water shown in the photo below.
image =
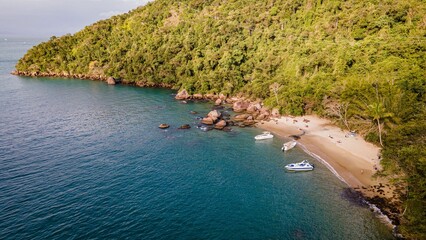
(185, 126)
(164, 126)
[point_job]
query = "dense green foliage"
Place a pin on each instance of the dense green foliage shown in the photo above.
(361, 62)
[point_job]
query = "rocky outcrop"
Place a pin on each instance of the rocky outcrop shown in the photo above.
(250, 112)
(182, 95)
(197, 96)
(265, 111)
(240, 106)
(212, 117)
(210, 96)
(215, 114)
(253, 107)
(261, 117)
(249, 122)
(241, 117)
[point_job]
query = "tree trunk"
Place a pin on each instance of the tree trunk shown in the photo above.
(380, 132)
(276, 97)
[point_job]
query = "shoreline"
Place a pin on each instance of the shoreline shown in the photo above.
(321, 139)
(348, 156)
(353, 159)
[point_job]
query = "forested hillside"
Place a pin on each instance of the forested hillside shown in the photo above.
(360, 62)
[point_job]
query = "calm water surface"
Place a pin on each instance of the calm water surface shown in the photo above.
(80, 159)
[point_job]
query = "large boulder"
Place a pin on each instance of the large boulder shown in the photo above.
(248, 122)
(110, 81)
(240, 106)
(261, 117)
(265, 111)
(222, 96)
(218, 102)
(233, 100)
(220, 125)
(198, 96)
(164, 126)
(207, 121)
(241, 117)
(209, 96)
(214, 115)
(182, 95)
(253, 107)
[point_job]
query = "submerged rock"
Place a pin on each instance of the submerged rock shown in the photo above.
(205, 128)
(185, 126)
(354, 197)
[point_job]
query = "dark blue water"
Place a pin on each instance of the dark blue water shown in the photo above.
(83, 160)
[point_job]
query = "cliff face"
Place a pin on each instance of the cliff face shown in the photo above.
(359, 62)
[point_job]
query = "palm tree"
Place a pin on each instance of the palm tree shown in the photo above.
(379, 114)
(274, 88)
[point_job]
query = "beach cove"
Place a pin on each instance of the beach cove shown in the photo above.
(347, 155)
(354, 159)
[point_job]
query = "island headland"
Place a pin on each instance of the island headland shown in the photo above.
(359, 64)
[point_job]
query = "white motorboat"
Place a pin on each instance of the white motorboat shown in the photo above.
(289, 145)
(302, 166)
(264, 135)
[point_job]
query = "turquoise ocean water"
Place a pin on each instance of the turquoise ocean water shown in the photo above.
(84, 160)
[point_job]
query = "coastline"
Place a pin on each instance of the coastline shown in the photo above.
(349, 157)
(353, 160)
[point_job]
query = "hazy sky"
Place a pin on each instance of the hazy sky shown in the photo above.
(45, 18)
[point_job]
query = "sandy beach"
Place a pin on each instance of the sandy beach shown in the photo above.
(350, 157)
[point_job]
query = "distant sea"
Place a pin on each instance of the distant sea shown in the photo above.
(83, 160)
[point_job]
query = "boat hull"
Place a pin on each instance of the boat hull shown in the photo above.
(289, 145)
(262, 138)
(265, 135)
(300, 167)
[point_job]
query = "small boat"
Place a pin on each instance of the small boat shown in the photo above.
(264, 135)
(288, 145)
(302, 166)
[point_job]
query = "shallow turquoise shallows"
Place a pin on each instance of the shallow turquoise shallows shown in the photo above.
(84, 160)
